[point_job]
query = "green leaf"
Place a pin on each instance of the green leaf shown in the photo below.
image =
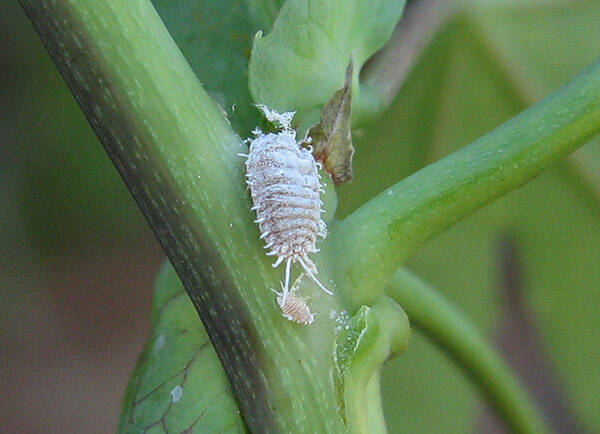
(179, 383)
(348, 341)
(301, 63)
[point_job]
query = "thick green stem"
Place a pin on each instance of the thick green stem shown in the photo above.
(176, 151)
(379, 236)
(364, 406)
(451, 331)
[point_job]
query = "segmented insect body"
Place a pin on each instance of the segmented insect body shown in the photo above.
(294, 308)
(285, 187)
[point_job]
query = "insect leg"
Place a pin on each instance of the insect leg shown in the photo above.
(277, 262)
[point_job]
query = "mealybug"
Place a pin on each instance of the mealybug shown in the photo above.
(294, 308)
(285, 187)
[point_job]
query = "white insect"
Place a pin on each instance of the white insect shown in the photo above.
(285, 187)
(293, 307)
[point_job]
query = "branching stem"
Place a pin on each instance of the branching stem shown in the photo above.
(176, 151)
(378, 237)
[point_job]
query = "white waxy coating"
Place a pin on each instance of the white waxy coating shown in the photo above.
(295, 309)
(285, 187)
(284, 184)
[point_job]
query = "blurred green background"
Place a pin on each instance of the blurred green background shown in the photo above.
(77, 260)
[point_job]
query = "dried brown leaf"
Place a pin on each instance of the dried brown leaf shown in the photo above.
(332, 137)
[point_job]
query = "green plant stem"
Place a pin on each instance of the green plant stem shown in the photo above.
(386, 334)
(176, 152)
(364, 408)
(459, 338)
(378, 237)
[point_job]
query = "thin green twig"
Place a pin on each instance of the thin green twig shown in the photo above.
(456, 335)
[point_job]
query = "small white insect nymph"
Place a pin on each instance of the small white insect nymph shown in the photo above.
(285, 187)
(294, 307)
